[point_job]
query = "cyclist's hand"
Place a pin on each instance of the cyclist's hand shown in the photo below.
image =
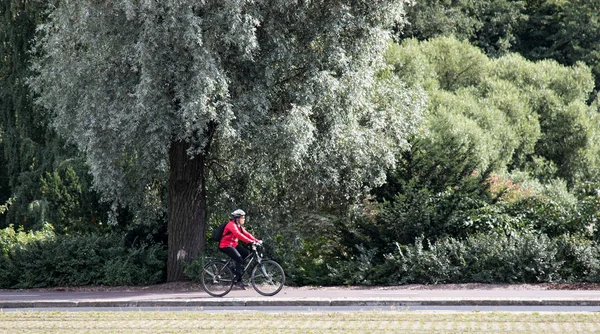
(259, 242)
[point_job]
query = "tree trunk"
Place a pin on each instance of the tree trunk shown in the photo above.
(187, 209)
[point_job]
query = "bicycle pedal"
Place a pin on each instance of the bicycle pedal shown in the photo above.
(242, 284)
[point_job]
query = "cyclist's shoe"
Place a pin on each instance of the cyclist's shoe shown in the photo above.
(241, 284)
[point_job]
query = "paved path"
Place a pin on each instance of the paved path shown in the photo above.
(348, 296)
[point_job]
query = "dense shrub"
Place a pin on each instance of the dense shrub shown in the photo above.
(545, 215)
(521, 258)
(581, 258)
(309, 261)
(31, 261)
(135, 266)
(435, 214)
(492, 258)
(411, 264)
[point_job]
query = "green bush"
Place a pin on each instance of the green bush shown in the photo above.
(520, 258)
(193, 269)
(137, 266)
(32, 261)
(545, 215)
(528, 257)
(310, 261)
(587, 216)
(581, 258)
(416, 264)
(435, 214)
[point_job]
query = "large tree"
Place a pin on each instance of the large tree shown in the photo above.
(282, 91)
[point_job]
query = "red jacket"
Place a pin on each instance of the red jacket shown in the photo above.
(232, 233)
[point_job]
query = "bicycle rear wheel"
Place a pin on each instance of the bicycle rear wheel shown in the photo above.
(267, 278)
(217, 278)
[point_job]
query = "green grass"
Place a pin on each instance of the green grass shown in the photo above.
(367, 322)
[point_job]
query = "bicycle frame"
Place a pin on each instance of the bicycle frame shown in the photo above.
(253, 256)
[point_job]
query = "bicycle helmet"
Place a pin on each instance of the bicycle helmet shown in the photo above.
(238, 213)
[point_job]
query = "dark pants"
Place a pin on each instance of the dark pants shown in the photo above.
(238, 254)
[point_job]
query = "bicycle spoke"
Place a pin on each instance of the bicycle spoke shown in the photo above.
(211, 272)
(268, 278)
(217, 279)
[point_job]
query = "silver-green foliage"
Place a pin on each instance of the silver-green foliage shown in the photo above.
(290, 85)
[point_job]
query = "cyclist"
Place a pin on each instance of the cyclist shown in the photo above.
(233, 232)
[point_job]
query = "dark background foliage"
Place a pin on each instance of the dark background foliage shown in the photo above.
(441, 217)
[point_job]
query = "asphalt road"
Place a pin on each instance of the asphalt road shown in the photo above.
(486, 296)
(322, 309)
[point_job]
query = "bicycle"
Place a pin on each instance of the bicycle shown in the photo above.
(267, 276)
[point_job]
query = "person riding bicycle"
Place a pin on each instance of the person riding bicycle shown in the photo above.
(233, 232)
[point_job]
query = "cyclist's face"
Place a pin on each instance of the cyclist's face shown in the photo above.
(242, 220)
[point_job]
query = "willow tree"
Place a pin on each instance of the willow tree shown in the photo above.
(158, 90)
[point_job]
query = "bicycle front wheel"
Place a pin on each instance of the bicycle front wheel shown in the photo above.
(217, 278)
(267, 278)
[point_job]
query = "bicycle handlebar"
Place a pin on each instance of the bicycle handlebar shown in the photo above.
(254, 244)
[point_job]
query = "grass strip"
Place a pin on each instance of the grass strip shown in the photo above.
(363, 322)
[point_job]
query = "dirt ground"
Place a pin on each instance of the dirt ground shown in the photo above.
(193, 286)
